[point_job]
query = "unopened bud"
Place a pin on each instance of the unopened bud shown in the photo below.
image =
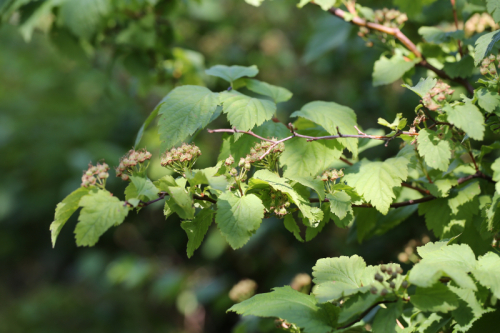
(379, 277)
(383, 292)
(125, 177)
(374, 290)
(404, 284)
(392, 285)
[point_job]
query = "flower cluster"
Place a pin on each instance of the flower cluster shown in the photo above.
(332, 175)
(386, 275)
(95, 175)
(437, 96)
(181, 158)
(263, 155)
(479, 23)
(279, 203)
(489, 65)
(133, 159)
(391, 18)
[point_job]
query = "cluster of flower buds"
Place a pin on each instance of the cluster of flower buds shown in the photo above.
(269, 150)
(95, 175)
(391, 18)
(279, 203)
(437, 96)
(332, 175)
(388, 274)
(489, 65)
(479, 23)
(132, 159)
(243, 290)
(410, 251)
(181, 158)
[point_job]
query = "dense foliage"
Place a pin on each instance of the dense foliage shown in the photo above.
(309, 170)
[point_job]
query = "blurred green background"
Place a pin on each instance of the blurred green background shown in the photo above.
(67, 99)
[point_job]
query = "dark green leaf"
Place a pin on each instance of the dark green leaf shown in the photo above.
(197, 228)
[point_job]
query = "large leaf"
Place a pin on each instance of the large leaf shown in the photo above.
(197, 228)
(387, 71)
(463, 68)
(484, 45)
(437, 298)
(291, 305)
(385, 319)
(232, 73)
(468, 118)
(334, 118)
(183, 111)
(436, 152)
(356, 305)
(469, 309)
(375, 181)
(84, 17)
(494, 9)
(278, 94)
(244, 112)
(238, 218)
(453, 260)
(487, 272)
(100, 212)
(64, 210)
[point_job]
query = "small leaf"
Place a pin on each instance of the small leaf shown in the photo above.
(494, 9)
(489, 101)
(100, 212)
(356, 305)
(183, 111)
(313, 183)
(487, 272)
(65, 209)
(468, 118)
(278, 94)
(238, 218)
(440, 188)
(291, 305)
(437, 298)
(387, 71)
(385, 319)
(180, 202)
(484, 45)
(197, 229)
(438, 36)
(435, 151)
(340, 204)
(232, 73)
(292, 226)
(423, 86)
(141, 187)
(465, 194)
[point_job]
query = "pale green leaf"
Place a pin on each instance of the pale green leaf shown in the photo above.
(496, 174)
(183, 111)
(453, 260)
(487, 272)
(334, 118)
(244, 112)
(324, 4)
(232, 73)
(338, 277)
(465, 194)
(387, 71)
(207, 177)
(423, 86)
(238, 218)
(484, 45)
(385, 319)
(468, 118)
(494, 9)
(437, 298)
(100, 212)
(440, 188)
(375, 181)
(64, 210)
(278, 94)
(255, 3)
(292, 226)
(313, 183)
(340, 204)
(291, 305)
(469, 309)
(489, 101)
(141, 188)
(313, 232)
(83, 18)
(197, 228)
(435, 151)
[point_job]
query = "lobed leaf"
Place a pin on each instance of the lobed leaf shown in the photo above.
(436, 152)
(232, 73)
(437, 298)
(468, 118)
(278, 94)
(387, 71)
(197, 228)
(484, 45)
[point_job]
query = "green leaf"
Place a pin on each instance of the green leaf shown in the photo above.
(338, 277)
(65, 209)
(385, 319)
(453, 260)
(487, 272)
(436, 152)
(438, 36)
(288, 304)
(180, 202)
(145, 125)
(387, 71)
(207, 177)
(484, 45)
(340, 204)
(183, 111)
(356, 305)
(437, 298)
(100, 212)
(197, 229)
(244, 112)
(496, 174)
(278, 94)
(494, 9)
(489, 101)
(324, 4)
(292, 226)
(313, 183)
(468, 118)
(141, 188)
(398, 123)
(412, 8)
(255, 3)
(232, 73)
(375, 181)
(334, 118)
(313, 232)
(463, 68)
(84, 18)
(441, 187)
(303, 159)
(465, 194)
(469, 309)
(423, 86)
(238, 218)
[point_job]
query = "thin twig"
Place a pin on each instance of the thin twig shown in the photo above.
(425, 192)
(405, 41)
(346, 161)
(162, 196)
(234, 130)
